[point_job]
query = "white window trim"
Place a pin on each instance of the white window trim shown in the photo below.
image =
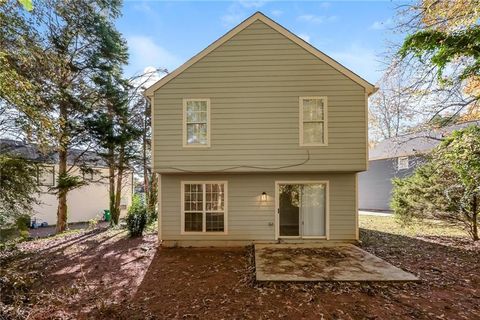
(327, 208)
(325, 122)
(46, 167)
(94, 176)
(184, 124)
(87, 176)
(204, 224)
(399, 159)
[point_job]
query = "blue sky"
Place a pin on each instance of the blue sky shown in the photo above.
(167, 33)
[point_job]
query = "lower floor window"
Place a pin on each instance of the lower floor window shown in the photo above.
(214, 221)
(203, 206)
(194, 221)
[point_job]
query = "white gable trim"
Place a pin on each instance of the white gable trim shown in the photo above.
(369, 88)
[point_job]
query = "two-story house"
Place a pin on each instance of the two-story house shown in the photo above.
(259, 137)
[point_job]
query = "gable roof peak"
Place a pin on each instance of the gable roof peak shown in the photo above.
(369, 88)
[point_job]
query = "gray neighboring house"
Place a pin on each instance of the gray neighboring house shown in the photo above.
(396, 157)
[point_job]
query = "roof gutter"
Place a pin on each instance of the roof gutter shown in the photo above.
(372, 91)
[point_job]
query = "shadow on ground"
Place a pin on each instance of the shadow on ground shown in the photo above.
(218, 283)
(104, 274)
(83, 272)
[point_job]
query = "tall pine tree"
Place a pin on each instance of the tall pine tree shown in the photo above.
(75, 41)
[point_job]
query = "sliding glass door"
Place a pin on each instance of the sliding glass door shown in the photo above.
(312, 209)
(289, 210)
(302, 209)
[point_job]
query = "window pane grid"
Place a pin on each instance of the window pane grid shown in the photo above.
(46, 176)
(313, 121)
(313, 109)
(204, 207)
(196, 133)
(403, 163)
(313, 133)
(193, 221)
(194, 197)
(214, 222)
(196, 122)
(214, 197)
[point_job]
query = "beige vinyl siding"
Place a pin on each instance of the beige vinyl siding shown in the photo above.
(248, 216)
(84, 203)
(254, 81)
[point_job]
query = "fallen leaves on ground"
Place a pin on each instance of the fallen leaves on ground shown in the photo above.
(103, 274)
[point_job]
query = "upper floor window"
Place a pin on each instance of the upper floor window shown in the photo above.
(196, 122)
(46, 176)
(402, 163)
(313, 121)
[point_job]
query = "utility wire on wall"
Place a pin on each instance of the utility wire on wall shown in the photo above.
(245, 167)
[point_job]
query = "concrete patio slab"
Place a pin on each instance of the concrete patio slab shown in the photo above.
(323, 262)
(375, 213)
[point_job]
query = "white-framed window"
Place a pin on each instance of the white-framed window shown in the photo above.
(196, 122)
(92, 175)
(46, 176)
(402, 163)
(313, 121)
(204, 207)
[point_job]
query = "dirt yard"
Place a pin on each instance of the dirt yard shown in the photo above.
(102, 274)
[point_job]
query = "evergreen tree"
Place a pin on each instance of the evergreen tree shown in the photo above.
(108, 125)
(73, 43)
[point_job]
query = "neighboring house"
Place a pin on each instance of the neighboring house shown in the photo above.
(259, 137)
(84, 203)
(396, 158)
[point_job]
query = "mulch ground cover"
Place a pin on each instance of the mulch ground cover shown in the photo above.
(103, 274)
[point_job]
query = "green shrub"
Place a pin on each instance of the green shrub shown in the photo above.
(137, 217)
(18, 193)
(93, 223)
(17, 229)
(152, 215)
(447, 186)
(418, 196)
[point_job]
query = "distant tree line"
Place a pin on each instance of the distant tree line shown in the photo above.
(432, 74)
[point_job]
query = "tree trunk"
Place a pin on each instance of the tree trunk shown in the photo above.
(152, 199)
(62, 171)
(111, 183)
(475, 218)
(111, 165)
(475, 227)
(118, 196)
(118, 191)
(62, 194)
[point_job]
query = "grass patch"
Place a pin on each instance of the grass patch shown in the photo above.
(416, 229)
(151, 228)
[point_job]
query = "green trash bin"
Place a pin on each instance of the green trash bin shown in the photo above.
(106, 215)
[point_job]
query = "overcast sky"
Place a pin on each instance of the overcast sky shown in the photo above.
(167, 33)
